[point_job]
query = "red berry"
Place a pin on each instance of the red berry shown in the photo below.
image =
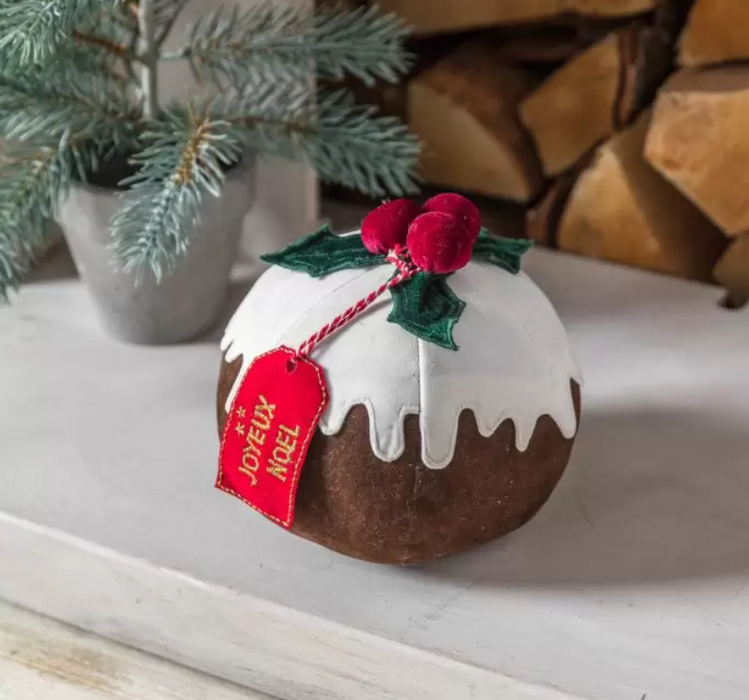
(438, 242)
(387, 226)
(462, 209)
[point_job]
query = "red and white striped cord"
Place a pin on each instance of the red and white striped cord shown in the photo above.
(406, 270)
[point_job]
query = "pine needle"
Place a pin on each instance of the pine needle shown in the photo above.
(185, 159)
(275, 42)
(33, 28)
(32, 183)
(52, 102)
(346, 143)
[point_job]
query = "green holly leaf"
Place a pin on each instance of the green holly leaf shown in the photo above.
(503, 252)
(322, 253)
(425, 306)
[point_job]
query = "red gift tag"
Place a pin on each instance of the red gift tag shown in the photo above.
(267, 433)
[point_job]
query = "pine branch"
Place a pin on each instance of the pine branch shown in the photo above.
(125, 14)
(72, 99)
(186, 159)
(119, 25)
(229, 46)
(67, 82)
(33, 181)
(84, 61)
(32, 29)
(120, 50)
(101, 38)
(167, 12)
(347, 144)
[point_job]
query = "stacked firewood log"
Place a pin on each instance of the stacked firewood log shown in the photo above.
(620, 126)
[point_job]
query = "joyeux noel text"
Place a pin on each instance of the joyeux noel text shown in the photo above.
(268, 447)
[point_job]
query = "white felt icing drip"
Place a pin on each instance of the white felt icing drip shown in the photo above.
(514, 360)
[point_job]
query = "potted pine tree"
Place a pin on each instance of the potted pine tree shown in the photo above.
(151, 195)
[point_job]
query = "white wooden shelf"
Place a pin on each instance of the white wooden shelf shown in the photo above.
(631, 583)
(41, 659)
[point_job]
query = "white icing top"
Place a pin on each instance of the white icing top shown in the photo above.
(514, 360)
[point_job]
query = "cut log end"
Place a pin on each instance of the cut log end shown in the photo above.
(465, 111)
(574, 109)
(596, 93)
(567, 98)
(717, 31)
(622, 211)
(699, 141)
(437, 16)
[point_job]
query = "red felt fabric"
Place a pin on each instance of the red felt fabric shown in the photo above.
(387, 226)
(439, 243)
(267, 434)
(463, 209)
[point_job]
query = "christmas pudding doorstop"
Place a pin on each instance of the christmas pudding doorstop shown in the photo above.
(400, 393)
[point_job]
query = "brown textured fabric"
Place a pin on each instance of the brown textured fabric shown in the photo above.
(403, 512)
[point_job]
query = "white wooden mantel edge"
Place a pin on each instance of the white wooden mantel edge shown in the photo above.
(245, 640)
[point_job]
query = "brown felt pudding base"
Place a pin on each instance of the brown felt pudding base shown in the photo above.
(403, 512)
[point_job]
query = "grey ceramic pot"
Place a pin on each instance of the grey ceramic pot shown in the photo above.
(188, 301)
